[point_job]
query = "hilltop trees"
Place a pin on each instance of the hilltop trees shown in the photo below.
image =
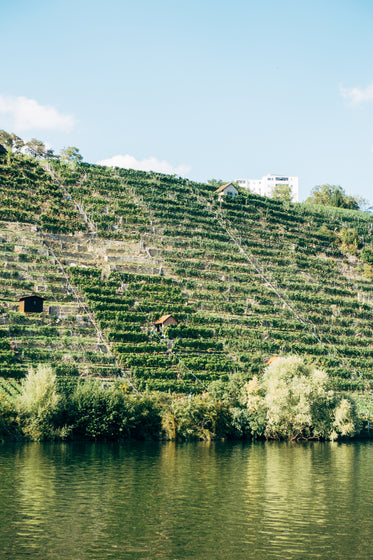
(332, 195)
(216, 182)
(36, 148)
(11, 142)
(71, 154)
(282, 192)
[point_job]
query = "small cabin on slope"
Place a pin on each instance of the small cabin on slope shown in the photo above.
(31, 304)
(227, 189)
(165, 321)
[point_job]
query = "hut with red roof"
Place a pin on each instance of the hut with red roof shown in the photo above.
(165, 321)
(227, 189)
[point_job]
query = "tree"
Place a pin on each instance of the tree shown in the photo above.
(38, 403)
(294, 400)
(35, 148)
(18, 143)
(366, 254)
(49, 154)
(6, 139)
(216, 183)
(349, 236)
(363, 204)
(332, 195)
(11, 142)
(282, 192)
(71, 154)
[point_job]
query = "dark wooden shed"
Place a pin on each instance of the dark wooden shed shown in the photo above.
(31, 304)
(2, 150)
(165, 321)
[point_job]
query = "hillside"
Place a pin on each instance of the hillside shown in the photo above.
(111, 251)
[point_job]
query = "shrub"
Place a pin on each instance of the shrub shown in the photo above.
(366, 254)
(294, 401)
(37, 404)
(368, 271)
(8, 426)
(145, 418)
(99, 412)
(196, 417)
(349, 236)
(345, 419)
(94, 411)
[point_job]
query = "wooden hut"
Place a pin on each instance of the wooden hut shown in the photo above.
(31, 304)
(227, 189)
(2, 150)
(165, 321)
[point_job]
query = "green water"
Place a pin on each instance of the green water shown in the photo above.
(189, 501)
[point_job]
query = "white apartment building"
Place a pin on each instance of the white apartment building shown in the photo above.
(264, 186)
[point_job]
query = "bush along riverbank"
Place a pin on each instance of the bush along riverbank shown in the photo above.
(291, 401)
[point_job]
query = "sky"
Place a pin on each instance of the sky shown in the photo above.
(205, 89)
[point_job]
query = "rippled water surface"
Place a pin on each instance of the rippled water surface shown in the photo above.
(189, 501)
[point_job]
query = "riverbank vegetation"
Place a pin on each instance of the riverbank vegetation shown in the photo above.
(292, 401)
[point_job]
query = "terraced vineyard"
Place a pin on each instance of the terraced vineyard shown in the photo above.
(247, 278)
(64, 333)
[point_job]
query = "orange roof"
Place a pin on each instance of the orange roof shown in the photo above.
(271, 360)
(162, 319)
(223, 187)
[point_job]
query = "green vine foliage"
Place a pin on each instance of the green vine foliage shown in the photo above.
(246, 278)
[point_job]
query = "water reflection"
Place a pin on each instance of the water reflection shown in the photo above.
(36, 491)
(192, 501)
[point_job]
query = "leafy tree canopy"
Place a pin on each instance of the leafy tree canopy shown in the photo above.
(10, 141)
(366, 254)
(282, 192)
(38, 402)
(294, 400)
(216, 182)
(36, 148)
(71, 154)
(333, 195)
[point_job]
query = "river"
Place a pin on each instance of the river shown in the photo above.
(202, 501)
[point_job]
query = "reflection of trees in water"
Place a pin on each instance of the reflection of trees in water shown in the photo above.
(351, 509)
(287, 499)
(294, 500)
(35, 495)
(59, 504)
(302, 496)
(201, 510)
(205, 501)
(36, 482)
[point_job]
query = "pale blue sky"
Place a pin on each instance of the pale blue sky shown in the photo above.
(213, 88)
